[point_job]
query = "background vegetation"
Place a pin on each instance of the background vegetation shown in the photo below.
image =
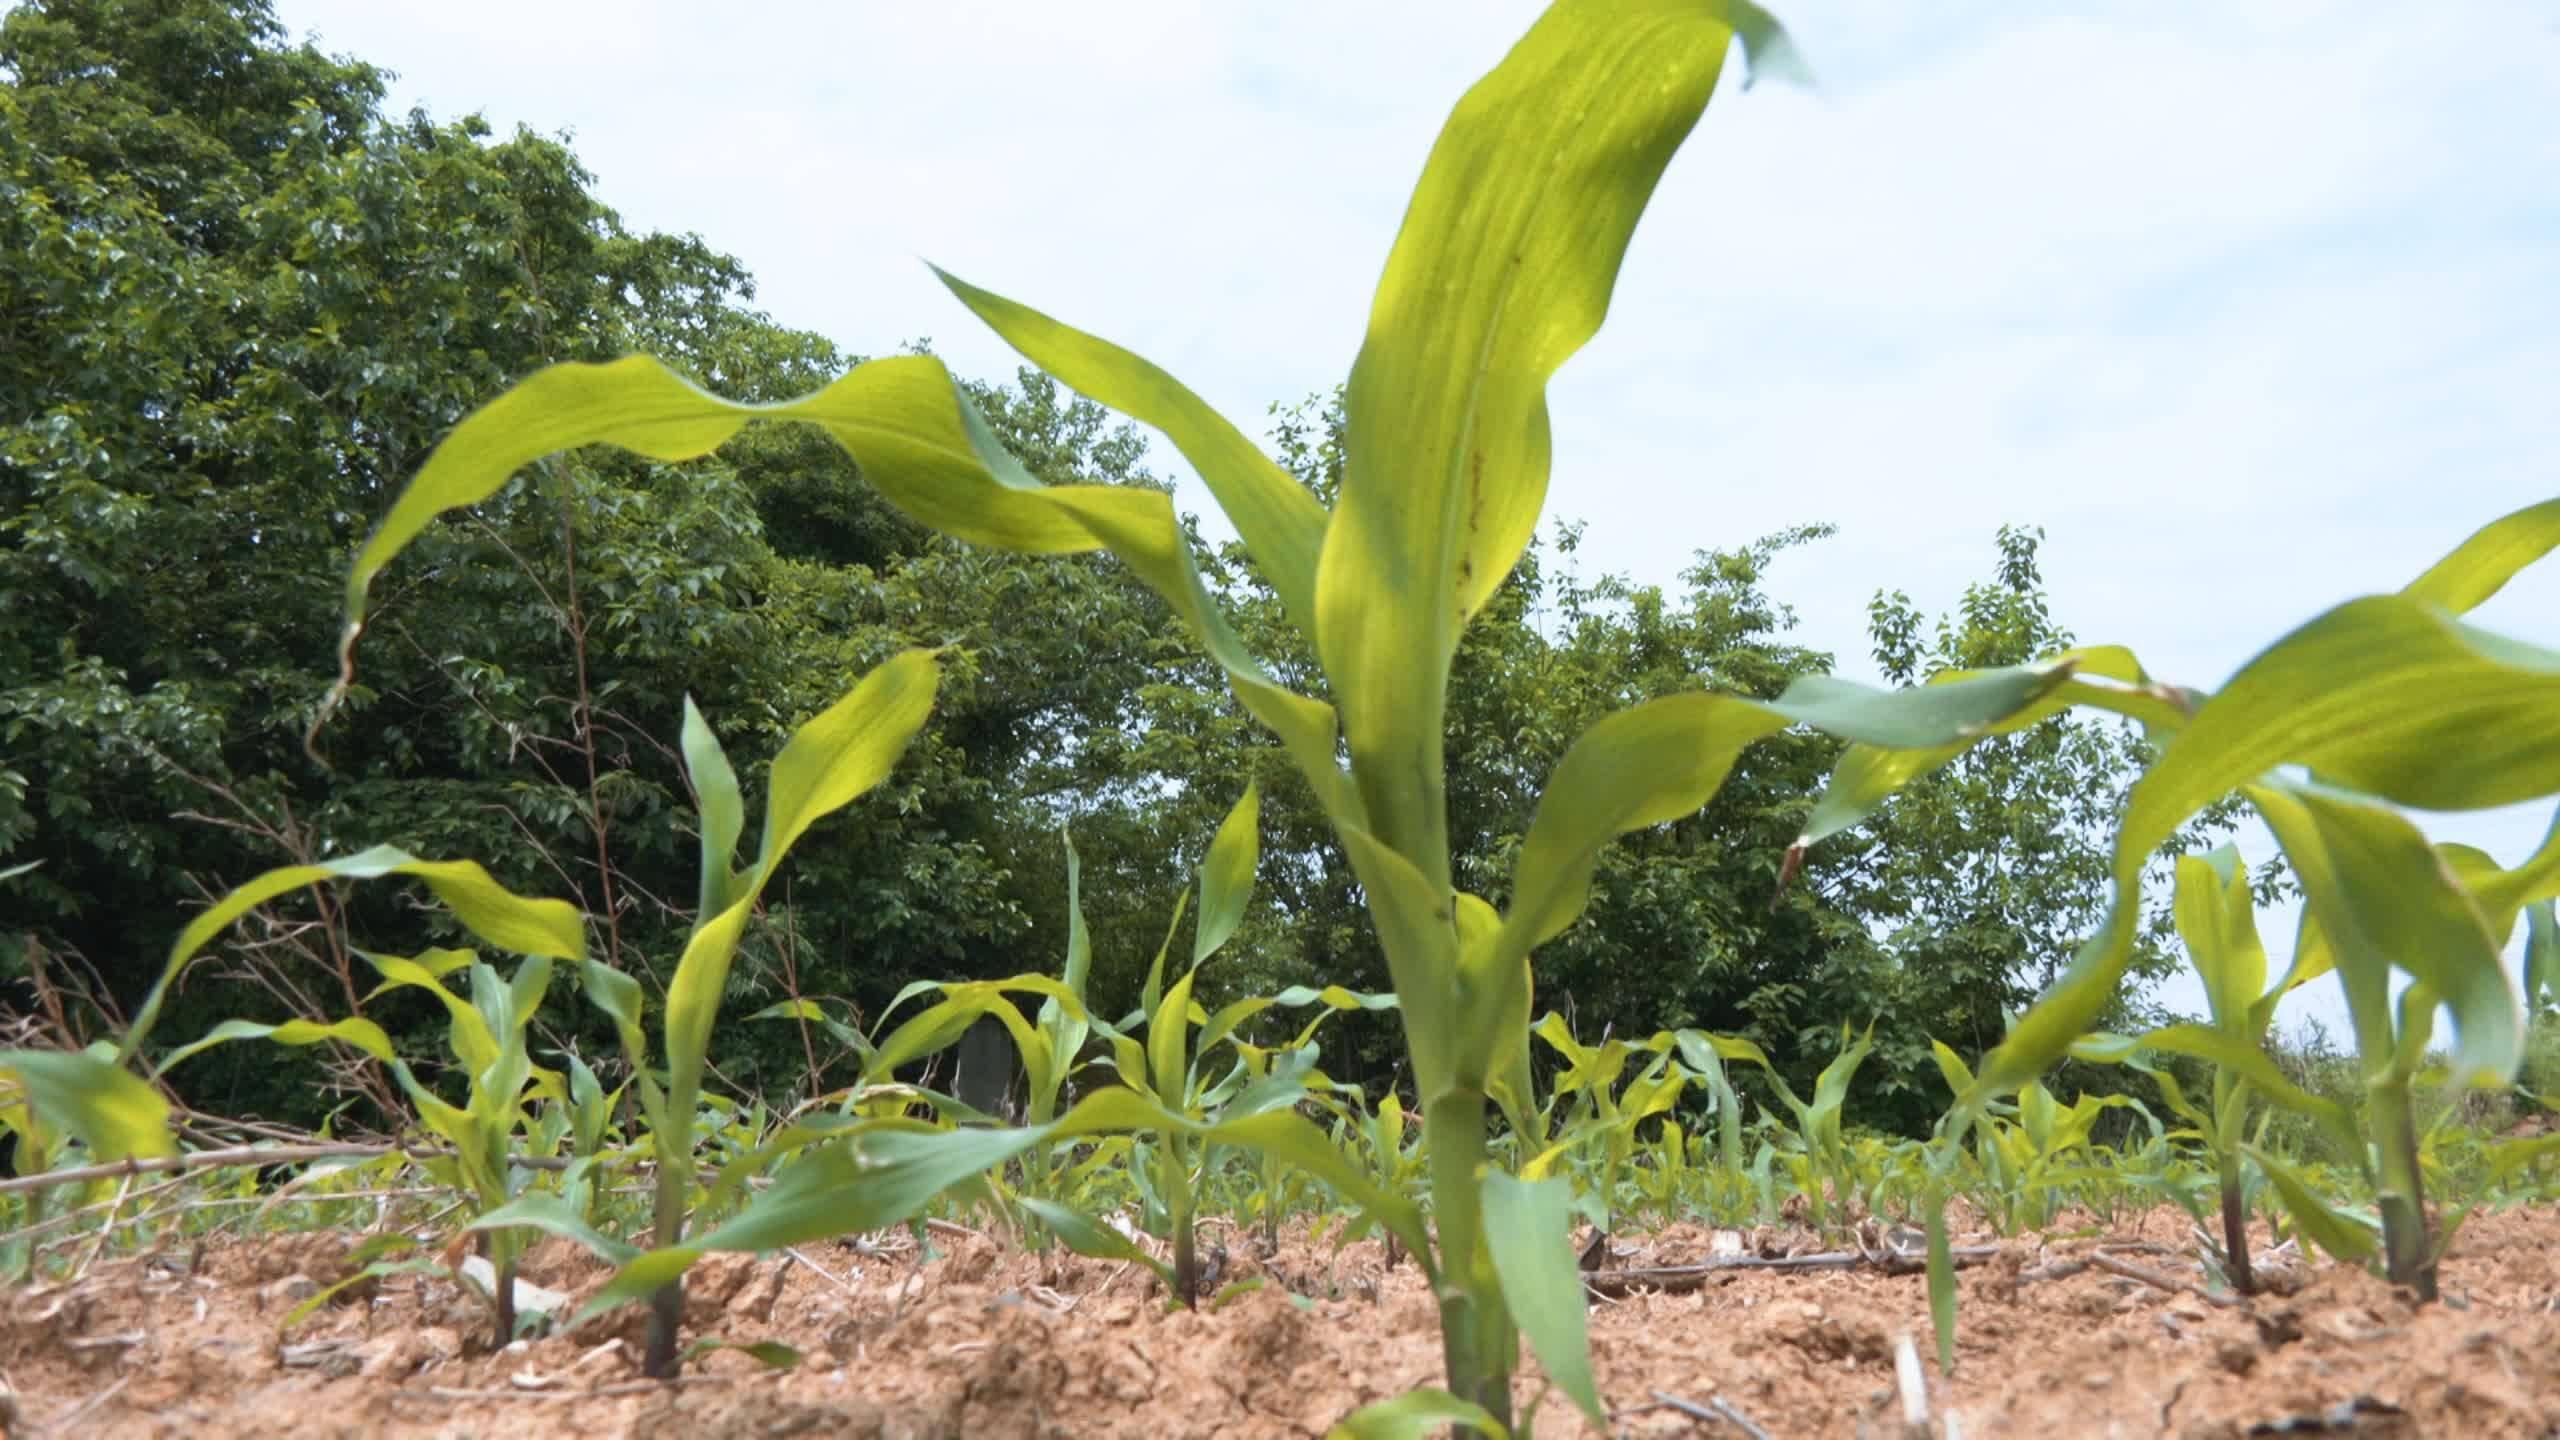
(245, 301)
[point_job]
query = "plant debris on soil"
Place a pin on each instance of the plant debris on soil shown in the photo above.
(2095, 1330)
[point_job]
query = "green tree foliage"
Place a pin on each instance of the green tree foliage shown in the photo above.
(243, 305)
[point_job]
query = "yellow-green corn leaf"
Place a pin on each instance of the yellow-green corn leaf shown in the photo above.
(113, 1112)
(1151, 994)
(2504, 894)
(1332, 1000)
(618, 996)
(1528, 1230)
(1169, 1041)
(2387, 694)
(1226, 877)
(1866, 775)
(2312, 958)
(1502, 269)
(1418, 932)
(841, 752)
(467, 1032)
(2385, 898)
(2217, 918)
(2482, 565)
(487, 909)
(356, 1030)
(2342, 1236)
(1416, 1415)
(724, 813)
(1959, 1076)
(937, 1027)
(1279, 520)
(920, 442)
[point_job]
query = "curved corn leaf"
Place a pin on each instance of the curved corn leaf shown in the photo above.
(1416, 1415)
(550, 1214)
(1501, 271)
(551, 928)
(1281, 1133)
(114, 1113)
(2482, 565)
(1665, 758)
(1087, 1236)
(2343, 1237)
(1279, 520)
(2384, 897)
(920, 442)
(1868, 773)
(1528, 1231)
(467, 1031)
(2388, 694)
(2217, 916)
(357, 1031)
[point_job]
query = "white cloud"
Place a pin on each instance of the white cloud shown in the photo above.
(2251, 308)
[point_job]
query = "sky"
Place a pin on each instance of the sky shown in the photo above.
(2253, 309)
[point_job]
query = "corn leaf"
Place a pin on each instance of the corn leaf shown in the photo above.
(487, 909)
(2387, 694)
(2384, 897)
(113, 1112)
(840, 753)
(548, 1213)
(1502, 269)
(2482, 565)
(1087, 1236)
(724, 815)
(1527, 1229)
(357, 1031)
(1280, 522)
(1416, 1415)
(1226, 879)
(2344, 1238)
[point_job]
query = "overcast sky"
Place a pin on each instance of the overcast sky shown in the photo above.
(2253, 308)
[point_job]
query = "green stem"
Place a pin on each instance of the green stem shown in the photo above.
(1174, 1181)
(2235, 1227)
(2409, 1258)
(666, 1307)
(1478, 1342)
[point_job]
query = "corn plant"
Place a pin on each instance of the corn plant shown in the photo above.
(1503, 269)
(829, 762)
(2216, 917)
(2382, 702)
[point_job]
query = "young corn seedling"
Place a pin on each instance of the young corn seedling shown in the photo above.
(115, 1112)
(2217, 919)
(828, 763)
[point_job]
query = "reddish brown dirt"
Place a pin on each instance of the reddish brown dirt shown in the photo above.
(988, 1342)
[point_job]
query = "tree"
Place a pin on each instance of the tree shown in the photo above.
(246, 304)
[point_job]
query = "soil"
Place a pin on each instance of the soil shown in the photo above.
(985, 1341)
